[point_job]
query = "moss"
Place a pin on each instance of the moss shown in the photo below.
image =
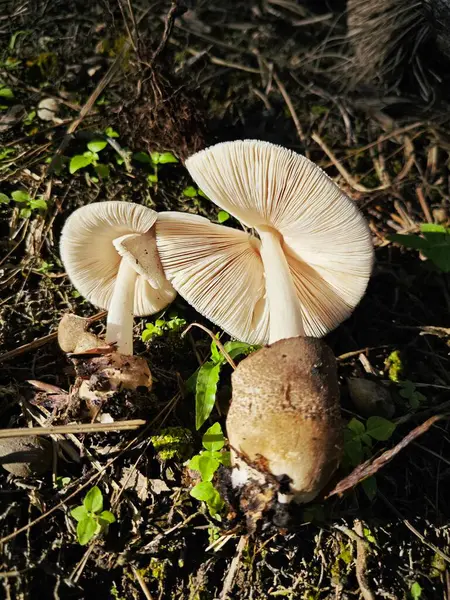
(394, 364)
(173, 442)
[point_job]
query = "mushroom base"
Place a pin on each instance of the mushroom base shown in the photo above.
(284, 424)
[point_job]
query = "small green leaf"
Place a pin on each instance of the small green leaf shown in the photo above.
(61, 482)
(213, 439)
(86, 529)
(222, 216)
(194, 463)
(216, 355)
(152, 178)
(25, 213)
(79, 162)
(38, 204)
(93, 501)
(97, 145)
(4, 199)
(202, 194)
(6, 92)
(20, 196)
(190, 192)
(155, 156)
(369, 486)
(109, 131)
(203, 491)
(409, 241)
(366, 439)
(379, 428)
(167, 157)
(236, 349)
(356, 426)
(79, 513)
(107, 516)
(102, 171)
(416, 591)
(142, 157)
(208, 465)
(225, 459)
(433, 228)
(205, 391)
(369, 535)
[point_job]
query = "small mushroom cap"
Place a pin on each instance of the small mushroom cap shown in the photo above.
(216, 269)
(284, 417)
(73, 337)
(325, 239)
(25, 456)
(95, 239)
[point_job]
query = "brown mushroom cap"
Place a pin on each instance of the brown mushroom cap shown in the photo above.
(284, 418)
(25, 456)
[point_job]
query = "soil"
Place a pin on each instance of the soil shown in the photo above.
(169, 80)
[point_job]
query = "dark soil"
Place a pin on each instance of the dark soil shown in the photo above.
(268, 70)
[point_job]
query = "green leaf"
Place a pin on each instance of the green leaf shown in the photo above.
(191, 383)
(194, 463)
(107, 516)
(167, 157)
(416, 591)
(152, 178)
(86, 530)
(190, 192)
(213, 439)
(380, 428)
(203, 491)
(79, 162)
(216, 355)
(366, 439)
(142, 157)
(155, 156)
(20, 196)
(236, 349)
(6, 92)
(433, 228)
(225, 459)
(93, 501)
(208, 465)
(4, 199)
(102, 171)
(409, 241)
(97, 145)
(222, 216)
(356, 426)
(205, 391)
(25, 213)
(61, 482)
(215, 503)
(353, 448)
(202, 194)
(79, 513)
(109, 131)
(369, 486)
(38, 204)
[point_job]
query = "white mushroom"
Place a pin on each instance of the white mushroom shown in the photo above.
(301, 273)
(109, 252)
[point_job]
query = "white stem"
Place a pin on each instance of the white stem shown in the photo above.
(119, 322)
(284, 308)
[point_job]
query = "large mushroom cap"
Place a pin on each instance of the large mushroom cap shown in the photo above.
(96, 238)
(284, 418)
(317, 231)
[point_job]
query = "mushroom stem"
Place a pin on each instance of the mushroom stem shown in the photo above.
(285, 311)
(119, 322)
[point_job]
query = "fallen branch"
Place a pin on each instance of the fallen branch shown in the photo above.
(75, 428)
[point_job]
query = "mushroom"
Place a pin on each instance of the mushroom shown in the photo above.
(109, 252)
(301, 269)
(26, 456)
(296, 274)
(284, 423)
